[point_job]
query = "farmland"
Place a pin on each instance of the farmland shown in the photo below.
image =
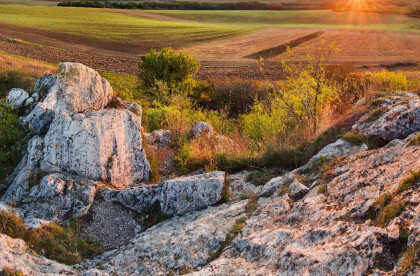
(224, 41)
(354, 20)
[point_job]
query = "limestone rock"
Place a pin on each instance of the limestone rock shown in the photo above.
(159, 138)
(329, 234)
(43, 85)
(78, 88)
(102, 145)
(297, 190)
(329, 152)
(16, 98)
(240, 188)
(15, 254)
(201, 128)
(59, 198)
(179, 243)
(397, 117)
(185, 194)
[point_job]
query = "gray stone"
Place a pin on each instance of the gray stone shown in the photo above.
(201, 128)
(400, 117)
(16, 98)
(185, 194)
(102, 145)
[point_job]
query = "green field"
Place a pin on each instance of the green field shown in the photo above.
(112, 25)
(375, 21)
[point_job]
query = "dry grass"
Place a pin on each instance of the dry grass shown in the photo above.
(37, 68)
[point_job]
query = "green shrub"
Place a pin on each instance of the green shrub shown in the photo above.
(175, 69)
(15, 79)
(409, 182)
(354, 138)
(13, 141)
(388, 81)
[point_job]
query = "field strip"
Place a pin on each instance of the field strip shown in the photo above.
(275, 51)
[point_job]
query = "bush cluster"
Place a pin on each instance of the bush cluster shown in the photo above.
(181, 5)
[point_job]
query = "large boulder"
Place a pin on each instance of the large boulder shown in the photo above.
(78, 88)
(104, 145)
(77, 146)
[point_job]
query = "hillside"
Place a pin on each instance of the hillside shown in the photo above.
(352, 209)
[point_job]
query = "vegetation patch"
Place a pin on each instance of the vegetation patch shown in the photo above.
(409, 182)
(389, 212)
(225, 194)
(13, 141)
(415, 141)
(7, 271)
(260, 177)
(375, 115)
(53, 241)
(410, 258)
(154, 215)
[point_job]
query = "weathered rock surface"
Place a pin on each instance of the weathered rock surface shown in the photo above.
(102, 145)
(337, 149)
(398, 117)
(240, 188)
(185, 194)
(329, 234)
(59, 197)
(176, 245)
(16, 98)
(76, 146)
(15, 254)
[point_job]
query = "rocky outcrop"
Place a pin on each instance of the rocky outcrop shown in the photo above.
(323, 218)
(326, 234)
(180, 244)
(59, 197)
(396, 117)
(77, 144)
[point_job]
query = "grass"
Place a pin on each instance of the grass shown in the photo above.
(7, 271)
(260, 177)
(409, 182)
(52, 241)
(114, 26)
(354, 20)
(389, 212)
(410, 258)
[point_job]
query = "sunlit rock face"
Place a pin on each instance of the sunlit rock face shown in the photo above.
(78, 135)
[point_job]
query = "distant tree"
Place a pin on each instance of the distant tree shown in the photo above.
(175, 70)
